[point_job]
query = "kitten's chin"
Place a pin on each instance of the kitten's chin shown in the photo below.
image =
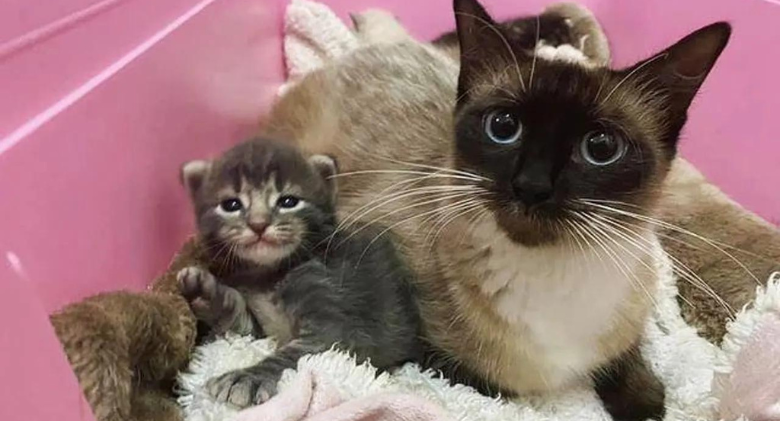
(265, 253)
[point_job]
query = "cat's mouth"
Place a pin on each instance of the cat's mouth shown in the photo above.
(531, 225)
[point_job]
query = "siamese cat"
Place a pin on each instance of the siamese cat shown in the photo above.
(513, 183)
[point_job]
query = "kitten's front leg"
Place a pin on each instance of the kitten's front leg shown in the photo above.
(256, 384)
(311, 302)
(221, 307)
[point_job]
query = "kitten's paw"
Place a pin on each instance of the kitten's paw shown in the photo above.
(195, 282)
(242, 388)
(585, 31)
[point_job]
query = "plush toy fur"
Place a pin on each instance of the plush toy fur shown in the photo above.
(127, 347)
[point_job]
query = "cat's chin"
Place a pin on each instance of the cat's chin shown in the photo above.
(531, 229)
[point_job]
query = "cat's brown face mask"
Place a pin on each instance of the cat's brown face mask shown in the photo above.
(557, 140)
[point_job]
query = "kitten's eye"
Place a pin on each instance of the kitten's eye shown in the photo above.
(231, 205)
(288, 202)
(600, 148)
(503, 126)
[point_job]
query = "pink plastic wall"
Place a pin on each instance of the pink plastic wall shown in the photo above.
(101, 101)
(98, 116)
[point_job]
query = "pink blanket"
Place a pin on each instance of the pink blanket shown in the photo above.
(311, 399)
(753, 387)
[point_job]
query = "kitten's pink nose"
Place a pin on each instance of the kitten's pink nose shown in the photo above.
(258, 227)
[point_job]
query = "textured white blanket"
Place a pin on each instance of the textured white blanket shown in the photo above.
(685, 362)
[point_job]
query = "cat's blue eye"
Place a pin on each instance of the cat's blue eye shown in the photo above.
(231, 205)
(503, 126)
(288, 202)
(602, 148)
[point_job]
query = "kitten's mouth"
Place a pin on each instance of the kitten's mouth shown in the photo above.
(266, 249)
(265, 242)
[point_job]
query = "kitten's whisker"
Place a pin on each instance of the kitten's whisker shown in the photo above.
(223, 247)
(677, 229)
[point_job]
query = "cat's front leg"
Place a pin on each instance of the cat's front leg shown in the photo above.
(221, 307)
(255, 385)
(630, 390)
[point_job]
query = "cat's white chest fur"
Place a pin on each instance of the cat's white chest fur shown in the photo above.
(558, 297)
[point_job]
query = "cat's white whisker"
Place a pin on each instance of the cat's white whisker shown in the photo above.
(676, 228)
(401, 222)
(684, 271)
(581, 242)
(504, 40)
(408, 207)
(384, 201)
(536, 49)
(410, 172)
(686, 243)
(472, 224)
(620, 264)
(459, 211)
(630, 74)
(644, 248)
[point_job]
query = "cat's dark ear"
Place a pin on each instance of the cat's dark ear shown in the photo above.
(682, 68)
(327, 168)
(481, 43)
(193, 174)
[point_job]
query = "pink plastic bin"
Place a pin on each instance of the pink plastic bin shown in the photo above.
(102, 100)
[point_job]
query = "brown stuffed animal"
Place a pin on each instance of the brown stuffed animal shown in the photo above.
(126, 347)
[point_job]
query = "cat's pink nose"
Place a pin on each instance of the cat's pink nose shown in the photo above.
(258, 227)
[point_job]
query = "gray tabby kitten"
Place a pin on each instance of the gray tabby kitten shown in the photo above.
(266, 215)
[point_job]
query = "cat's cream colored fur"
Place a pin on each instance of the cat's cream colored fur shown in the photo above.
(503, 310)
(528, 319)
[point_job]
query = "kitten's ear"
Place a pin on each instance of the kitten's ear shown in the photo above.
(682, 68)
(327, 168)
(481, 42)
(193, 174)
